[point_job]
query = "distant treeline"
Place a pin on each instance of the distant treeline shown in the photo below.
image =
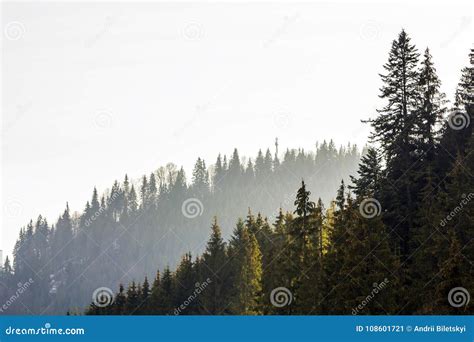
(137, 226)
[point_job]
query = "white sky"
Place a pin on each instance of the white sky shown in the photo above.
(93, 91)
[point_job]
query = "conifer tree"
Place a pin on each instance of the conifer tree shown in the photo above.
(132, 202)
(133, 299)
(144, 299)
(304, 207)
(367, 260)
(151, 192)
(95, 205)
(155, 294)
(395, 130)
(247, 265)
(458, 127)
(7, 268)
(166, 294)
(200, 178)
(455, 274)
(275, 271)
(186, 283)
(214, 259)
(218, 174)
(143, 191)
(303, 252)
(432, 108)
(368, 182)
(119, 302)
(454, 236)
(287, 269)
(309, 294)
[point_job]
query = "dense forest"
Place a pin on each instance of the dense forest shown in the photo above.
(139, 226)
(395, 238)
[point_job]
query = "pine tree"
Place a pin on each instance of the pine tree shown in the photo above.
(303, 205)
(115, 201)
(260, 172)
(143, 191)
(394, 125)
(309, 294)
(155, 294)
(368, 182)
(133, 299)
(214, 299)
(7, 268)
(275, 271)
(200, 178)
(303, 252)
(367, 261)
(456, 274)
(464, 97)
(235, 169)
(95, 205)
(286, 271)
(166, 301)
(250, 282)
(143, 306)
(304, 208)
(119, 301)
(132, 202)
(268, 162)
(218, 174)
(426, 255)
(395, 130)
(186, 283)
(246, 263)
(432, 108)
(453, 241)
(151, 192)
(458, 128)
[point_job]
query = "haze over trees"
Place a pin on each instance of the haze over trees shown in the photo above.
(402, 224)
(138, 226)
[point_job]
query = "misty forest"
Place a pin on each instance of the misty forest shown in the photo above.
(383, 229)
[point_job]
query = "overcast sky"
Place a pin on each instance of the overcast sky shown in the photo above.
(93, 91)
